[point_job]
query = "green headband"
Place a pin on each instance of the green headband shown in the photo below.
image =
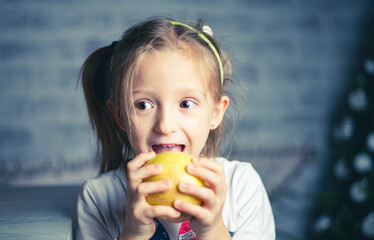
(202, 36)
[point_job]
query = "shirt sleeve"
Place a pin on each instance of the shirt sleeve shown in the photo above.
(253, 213)
(88, 221)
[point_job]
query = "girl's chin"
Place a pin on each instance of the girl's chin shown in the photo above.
(183, 218)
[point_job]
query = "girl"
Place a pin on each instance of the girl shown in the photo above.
(162, 88)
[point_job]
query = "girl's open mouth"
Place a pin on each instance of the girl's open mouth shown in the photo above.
(168, 147)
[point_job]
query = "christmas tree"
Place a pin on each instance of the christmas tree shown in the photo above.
(345, 207)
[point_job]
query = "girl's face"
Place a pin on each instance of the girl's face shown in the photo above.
(174, 109)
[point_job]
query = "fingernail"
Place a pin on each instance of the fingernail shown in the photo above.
(182, 186)
(190, 167)
(177, 203)
(167, 183)
(177, 213)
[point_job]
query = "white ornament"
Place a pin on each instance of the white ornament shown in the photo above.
(358, 192)
(357, 100)
(341, 170)
(370, 142)
(369, 66)
(344, 130)
(347, 128)
(362, 162)
(367, 226)
(207, 30)
(322, 223)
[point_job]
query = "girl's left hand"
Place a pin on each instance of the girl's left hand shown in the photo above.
(206, 221)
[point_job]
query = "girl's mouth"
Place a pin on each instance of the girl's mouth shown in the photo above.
(167, 148)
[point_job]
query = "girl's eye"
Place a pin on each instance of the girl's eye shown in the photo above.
(143, 105)
(187, 104)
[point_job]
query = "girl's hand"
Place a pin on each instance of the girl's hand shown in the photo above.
(206, 222)
(139, 221)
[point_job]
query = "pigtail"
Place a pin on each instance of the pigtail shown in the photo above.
(110, 138)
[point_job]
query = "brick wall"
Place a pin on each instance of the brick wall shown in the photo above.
(294, 58)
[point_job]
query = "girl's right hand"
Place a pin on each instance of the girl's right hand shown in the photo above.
(139, 221)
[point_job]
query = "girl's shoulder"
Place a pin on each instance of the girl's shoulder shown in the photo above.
(106, 185)
(242, 178)
(247, 211)
(100, 204)
(235, 169)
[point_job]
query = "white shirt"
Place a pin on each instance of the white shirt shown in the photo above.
(247, 214)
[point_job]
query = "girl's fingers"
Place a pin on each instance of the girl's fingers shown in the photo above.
(202, 214)
(139, 160)
(136, 172)
(213, 195)
(207, 195)
(146, 188)
(135, 178)
(146, 171)
(215, 178)
(161, 211)
(209, 164)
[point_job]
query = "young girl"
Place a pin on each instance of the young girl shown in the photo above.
(162, 88)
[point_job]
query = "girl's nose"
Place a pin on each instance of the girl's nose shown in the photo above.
(165, 123)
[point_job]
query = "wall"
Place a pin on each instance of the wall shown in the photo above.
(294, 58)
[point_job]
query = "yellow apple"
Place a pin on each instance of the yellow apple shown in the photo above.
(174, 164)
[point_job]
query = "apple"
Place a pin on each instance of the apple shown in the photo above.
(174, 164)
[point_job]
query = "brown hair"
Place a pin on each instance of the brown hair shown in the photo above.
(108, 74)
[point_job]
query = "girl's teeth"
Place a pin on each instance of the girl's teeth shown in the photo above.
(167, 147)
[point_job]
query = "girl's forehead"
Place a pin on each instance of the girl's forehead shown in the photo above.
(164, 65)
(177, 62)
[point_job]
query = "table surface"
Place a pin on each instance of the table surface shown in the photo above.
(36, 212)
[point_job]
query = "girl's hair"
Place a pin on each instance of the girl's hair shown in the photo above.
(108, 75)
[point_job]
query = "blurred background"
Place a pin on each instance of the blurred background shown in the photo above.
(306, 123)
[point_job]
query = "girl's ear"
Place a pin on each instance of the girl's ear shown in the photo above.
(219, 112)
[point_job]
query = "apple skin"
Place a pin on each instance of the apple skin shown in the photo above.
(175, 164)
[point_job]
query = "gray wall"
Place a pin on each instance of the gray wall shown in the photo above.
(294, 58)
